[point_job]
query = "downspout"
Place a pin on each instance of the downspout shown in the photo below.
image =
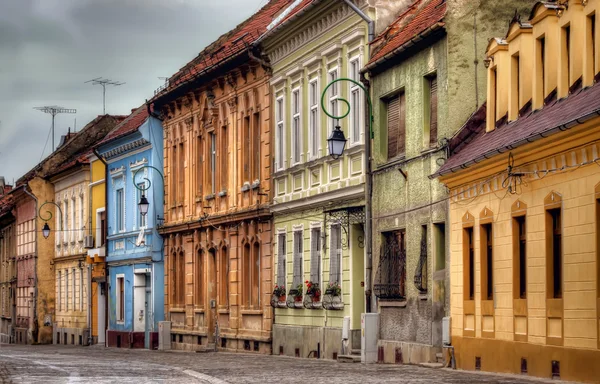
(89, 266)
(35, 260)
(369, 176)
(106, 271)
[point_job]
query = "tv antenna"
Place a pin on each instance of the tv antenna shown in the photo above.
(54, 110)
(104, 83)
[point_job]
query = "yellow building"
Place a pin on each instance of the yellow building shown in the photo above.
(524, 203)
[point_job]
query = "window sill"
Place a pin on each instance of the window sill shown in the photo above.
(250, 311)
(423, 296)
(177, 310)
(198, 199)
(255, 185)
(223, 311)
(223, 193)
(245, 187)
(199, 310)
(209, 197)
(120, 322)
(397, 304)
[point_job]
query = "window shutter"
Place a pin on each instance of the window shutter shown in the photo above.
(297, 259)
(433, 106)
(281, 260)
(393, 125)
(402, 125)
(335, 253)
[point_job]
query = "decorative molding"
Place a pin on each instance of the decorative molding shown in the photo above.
(125, 148)
(115, 172)
(138, 164)
(311, 32)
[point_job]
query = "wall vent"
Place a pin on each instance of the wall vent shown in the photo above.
(523, 365)
(555, 369)
(478, 363)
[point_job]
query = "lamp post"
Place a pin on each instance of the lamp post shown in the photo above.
(46, 227)
(144, 204)
(337, 144)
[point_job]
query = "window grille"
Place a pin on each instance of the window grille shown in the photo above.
(390, 281)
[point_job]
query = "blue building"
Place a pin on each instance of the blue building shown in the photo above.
(135, 268)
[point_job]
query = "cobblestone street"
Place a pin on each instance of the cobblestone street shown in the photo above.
(63, 364)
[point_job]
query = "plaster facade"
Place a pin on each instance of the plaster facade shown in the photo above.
(8, 276)
(524, 239)
(318, 201)
(217, 226)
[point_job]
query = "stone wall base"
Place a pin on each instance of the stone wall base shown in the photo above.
(70, 336)
(405, 352)
(125, 339)
(182, 341)
(308, 342)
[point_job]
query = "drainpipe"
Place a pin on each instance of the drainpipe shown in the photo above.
(369, 176)
(35, 260)
(106, 271)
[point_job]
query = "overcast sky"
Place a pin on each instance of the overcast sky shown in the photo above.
(49, 48)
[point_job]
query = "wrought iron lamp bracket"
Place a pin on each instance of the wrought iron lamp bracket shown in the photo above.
(348, 106)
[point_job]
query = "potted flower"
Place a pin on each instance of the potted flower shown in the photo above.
(313, 290)
(333, 296)
(278, 296)
(295, 297)
(298, 293)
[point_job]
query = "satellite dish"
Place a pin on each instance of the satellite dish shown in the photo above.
(141, 239)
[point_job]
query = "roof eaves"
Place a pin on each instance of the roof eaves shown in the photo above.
(413, 41)
(287, 21)
(527, 140)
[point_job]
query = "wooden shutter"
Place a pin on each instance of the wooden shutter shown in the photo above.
(433, 112)
(402, 125)
(335, 255)
(281, 259)
(297, 259)
(393, 125)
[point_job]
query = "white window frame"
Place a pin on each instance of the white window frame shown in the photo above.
(314, 128)
(341, 253)
(119, 304)
(334, 95)
(313, 228)
(356, 133)
(298, 257)
(296, 108)
(280, 133)
(120, 224)
(282, 258)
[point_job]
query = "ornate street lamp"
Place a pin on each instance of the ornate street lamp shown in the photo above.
(144, 204)
(336, 142)
(46, 227)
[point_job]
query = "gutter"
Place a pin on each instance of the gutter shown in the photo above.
(421, 36)
(530, 139)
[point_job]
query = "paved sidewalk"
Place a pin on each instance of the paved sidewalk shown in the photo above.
(62, 364)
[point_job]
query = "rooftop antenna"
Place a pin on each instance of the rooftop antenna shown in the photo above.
(104, 83)
(54, 110)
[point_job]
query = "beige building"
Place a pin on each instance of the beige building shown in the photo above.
(525, 203)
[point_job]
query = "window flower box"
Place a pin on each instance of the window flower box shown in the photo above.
(332, 300)
(278, 297)
(294, 298)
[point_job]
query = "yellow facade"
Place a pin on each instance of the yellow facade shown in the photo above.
(542, 215)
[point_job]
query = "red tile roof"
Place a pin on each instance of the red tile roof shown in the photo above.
(130, 124)
(554, 117)
(421, 16)
(233, 42)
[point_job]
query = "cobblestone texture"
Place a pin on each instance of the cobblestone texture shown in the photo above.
(62, 364)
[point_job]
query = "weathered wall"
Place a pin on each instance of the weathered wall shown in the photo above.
(470, 25)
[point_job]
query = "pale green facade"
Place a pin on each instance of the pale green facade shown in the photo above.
(313, 191)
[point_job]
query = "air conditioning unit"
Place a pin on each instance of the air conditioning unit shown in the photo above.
(446, 339)
(88, 242)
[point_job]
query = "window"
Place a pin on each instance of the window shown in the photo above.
(335, 255)
(314, 131)
(199, 278)
(224, 278)
(180, 279)
(487, 262)
(440, 246)
(140, 191)
(591, 46)
(315, 255)
(81, 224)
(281, 259)
(173, 174)
(74, 289)
(566, 59)
(420, 278)
(256, 147)
(298, 250)
(246, 149)
(120, 298)
(520, 263)
(213, 162)
(199, 165)
(59, 291)
(73, 220)
(280, 147)
(251, 265)
(554, 247)
(66, 289)
(515, 86)
(396, 128)
(390, 281)
(540, 72)
(296, 128)
(355, 103)
(431, 111)
(66, 227)
(469, 263)
(181, 174)
(492, 113)
(224, 157)
(333, 96)
(81, 289)
(102, 228)
(120, 208)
